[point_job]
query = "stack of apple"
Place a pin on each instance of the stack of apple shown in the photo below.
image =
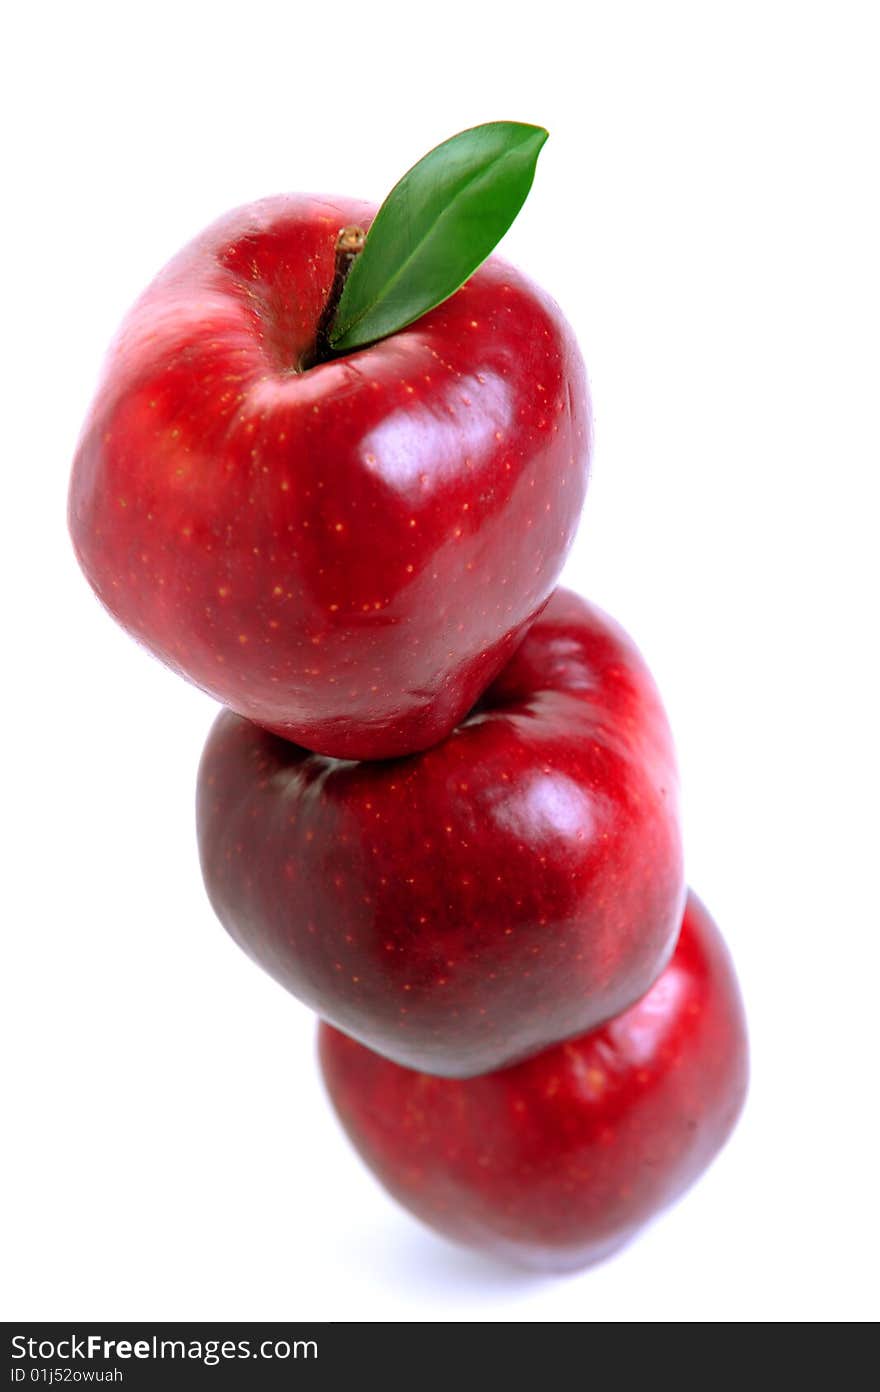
(332, 480)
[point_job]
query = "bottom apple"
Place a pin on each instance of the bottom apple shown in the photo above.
(558, 1160)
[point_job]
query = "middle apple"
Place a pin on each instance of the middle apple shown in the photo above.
(463, 908)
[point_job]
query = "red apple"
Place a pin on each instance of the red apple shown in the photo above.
(349, 554)
(559, 1160)
(467, 906)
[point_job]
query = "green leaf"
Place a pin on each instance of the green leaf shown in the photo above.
(435, 228)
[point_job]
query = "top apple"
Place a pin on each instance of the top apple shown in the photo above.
(343, 543)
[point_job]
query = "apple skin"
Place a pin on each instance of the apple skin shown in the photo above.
(556, 1162)
(467, 906)
(346, 555)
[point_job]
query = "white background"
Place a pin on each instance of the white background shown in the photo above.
(705, 213)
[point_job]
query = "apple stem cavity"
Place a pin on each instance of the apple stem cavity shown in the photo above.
(349, 245)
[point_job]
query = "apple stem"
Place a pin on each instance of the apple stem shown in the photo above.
(349, 245)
